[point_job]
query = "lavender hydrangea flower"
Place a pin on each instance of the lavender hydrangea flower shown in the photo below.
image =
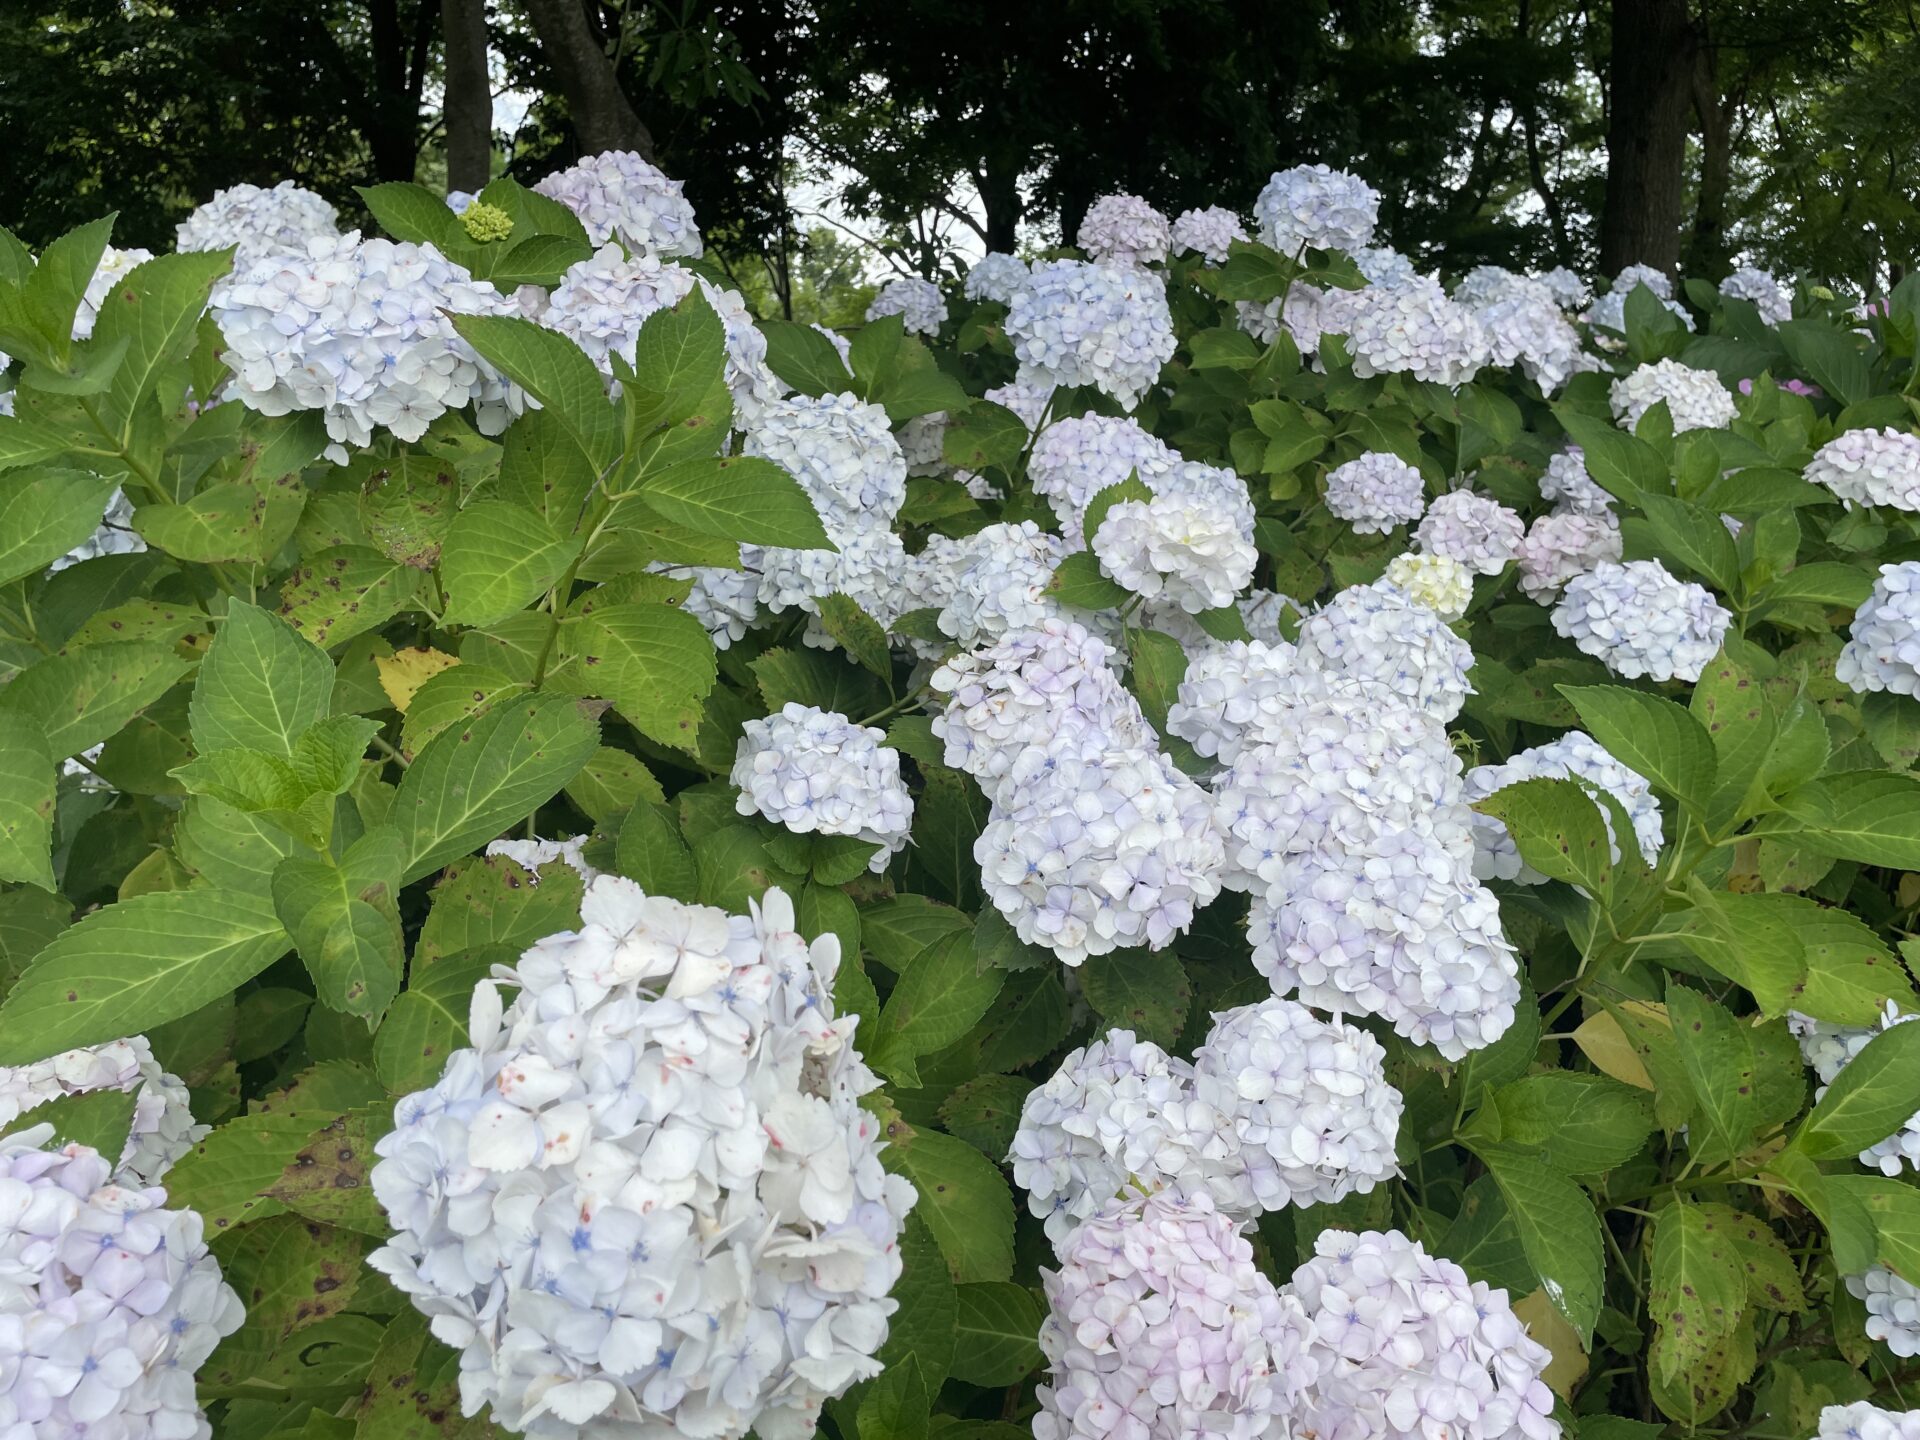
(919, 304)
(258, 222)
(163, 1129)
(1479, 532)
(1562, 545)
(1313, 207)
(1375, 492)
(1893, 1309)
(1870, 467)
(1695, 398)
(1235, 695)
(1637, 620)
(1124, 230)
(1375, 636)
(995, 276)
(1075, 459)
(1768, 295)
(842, 451)
(1414, 329)
(1003, 585)
(114, 267)
(1567, 483)
(1883, 646)
(1210, 232)
(619, 196)
(817, 773)
(1574, 755)
(1863, 1420)
(1087, 324)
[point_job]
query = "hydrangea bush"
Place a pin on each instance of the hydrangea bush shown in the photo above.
(1189, 836)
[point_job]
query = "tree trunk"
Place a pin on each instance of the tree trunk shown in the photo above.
(1707, 246)
(469, 102)
(1001, 197)
(601, 115)
(392, 128)
(1650, 83)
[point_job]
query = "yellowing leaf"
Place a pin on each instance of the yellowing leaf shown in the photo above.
(1546, 1324)
(405, 671)
(1602, 1041)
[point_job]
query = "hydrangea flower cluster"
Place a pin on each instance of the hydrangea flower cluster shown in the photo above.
(725, 601)
(1313, 207)
(531, 854)
(1124, 230)
(919, 304)
(1236, 695)
(1413, 329)
(1485, 285)
(601, 303)
(1404, 1347)
(1439, 582)
(1865, 1421)
(258, 222)
(109, 1301)
(817, 773)
(1893, 1309)
(1567, 483)
(1883, 646)
(1829, 1049)
(1087, 324)
(619, 196)
(1870, 467)
(1575, 755)
(1768, 295)
(1562, 545)
(995, 276)
(1000, 583)
(870, 568)
(1479, 532)
(1525, 327)
(1610, 310)
(701, 1236)
(1375, 492)
(1695, 398)
(1373, 635)
(1569, 291)
(1210, 232)
(1637, 620)
(163, 1128)
(1076, 458)
(358, 331)
(115, 266)
(1191, 553)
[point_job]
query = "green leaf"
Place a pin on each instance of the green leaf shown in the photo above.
(28, 785)
(1830, 359)
(964, 1201)
(804, 358)
(1693, 536)
(859, 633)
(1717, 1052)
(1823, 582)
(428, 1021)
(941, 995)
(235, 520)
(735, 868)
(345, 592)
(1751, 940)
(1032, 1019)
(1158, 664)
(737, 497)
(44, 514)
(985, 1112)
(651, 853)
(655, 663)
(259, 686)
(922, 391)
(1144, 991)
(804, 675)
(498, 559)
(1131, 488)
(1893, 1209)
(292, 1274)
(1558, 1231)
(414, 213)
(452, 697)
(490, 900)
(995, 1338)
(327, 1178)
(225, 1177)
(1772, 1278)
(1587, 1124)
(345, 921)
(1872, 816)
(1621, 464)
(1698, 1287)
(983, 436)
(408, 501)
(1079, 581)
(136, 964)
(897, 930)
(472, 781)
(51, 292)
(99, 1118)
(923, 1326)
(896, 1405)
(1874, 1095)
(78, 698)
(413, 1385)
(1558, 830)
(613, 782)
(1650, 735)
(554, 371)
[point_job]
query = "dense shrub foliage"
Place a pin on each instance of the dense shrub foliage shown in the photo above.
(1200, 837)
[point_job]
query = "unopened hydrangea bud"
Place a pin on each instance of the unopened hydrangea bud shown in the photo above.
(259, 222)
(1441, 583)
(1870, 467)
(1211, 232)
(1772, 299)
(1637, 620)
(1864, 1420)
(1893, 1309)
(995, 276)
(1562, 545)
(817, 773)
(1575, 755)
(1316, 208)
(1191, 553)
(1694, 398)
(1107, 326)
(1479, 532)
(1124, 230)
(1375, 492)
(1883, 646)
(919, 304)
(486, 223)
(619, 196)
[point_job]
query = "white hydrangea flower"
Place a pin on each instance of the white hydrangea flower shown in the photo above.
(1075, 459)
(1099, 855)
(1863, 1420)
(1002, 587)
(358, 330)
(1567, 483)
(1317, 208)
(530, 854)
(1124, 230)
(1234, 695)
(1413, 329)
(1637, 620)
(1161, 1327)
(1695, 398)
(1213, 488)
(726, 601)
(601, 303)
(995, 276)
(1209, 232)
(818, 773)
(1484, 285)
(1893, 1309)
(842, 451)
(1306, 312)
(1870, 467)
(1830, 1049)
(1375, 492)
(1772, 298)
(1883, 646)
(1478, 531)
(114, 535)
(1262, 610)
(1575, 755)
(619, 196)
(1037, 696)
(1562, 545)
(259, 223)
(1405, 1347)
(1569, 291)
(110, 1301)
(1375, 636)
(868, 568)
(1440, 582)
(1106, 326)
(163, 1128)
(648, 1197)
(1308, 1100)
(1191, 553)
(1524, 326)
(919, 304)
(1609, 312)
(1636, 275)
(1383, 265)
(1028, 400)
(115, 266)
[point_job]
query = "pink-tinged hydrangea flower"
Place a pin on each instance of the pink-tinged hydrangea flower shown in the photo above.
(1087, 324)
(1375, 492)
(259, 222)
(163, 1128)
(1637, 620)
(1772, 298)
(1316, 208)
(1124, 230)
(1883, 646)
(1870, 467)
(1830, 1049)
(1441, 583)
(1694, 398)
(1101, 855)
(1893, 1309)
(1375, 637)
(817, 773)
(919, 304)
(1209, 232)
(1311, 1111)
(995, 276)
(1161, 1327)
(1405, 1347)
(648, 1195)
(1479, 532)
(1562, 545)
(619, 196)
(109, 1302)
(1191, 553)
(1574, 755)
(1413, 329)
(1863, 1420)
